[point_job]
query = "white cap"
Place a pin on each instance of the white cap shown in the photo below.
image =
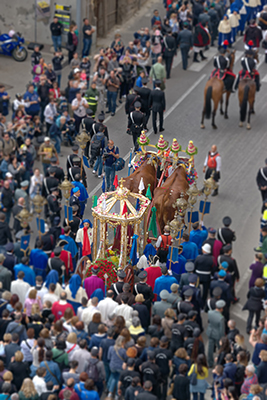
(76, 70)
(206, 248)
(46, 139)
(9, 175)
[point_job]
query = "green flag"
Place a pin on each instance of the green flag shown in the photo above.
(153, 223)
(148, 192)
(94, 198)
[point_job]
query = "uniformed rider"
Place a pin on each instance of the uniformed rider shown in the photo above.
(222, 64)
(249, 70)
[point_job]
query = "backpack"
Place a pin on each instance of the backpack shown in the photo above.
(96, 144)
(119, 164)
(92, 371)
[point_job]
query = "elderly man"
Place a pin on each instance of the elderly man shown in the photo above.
(251, 379)
(216, 329)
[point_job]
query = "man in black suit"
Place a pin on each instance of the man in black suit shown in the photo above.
(87, 124)
(169, 52)
(157, 103)
(136, 123)
(144, 92)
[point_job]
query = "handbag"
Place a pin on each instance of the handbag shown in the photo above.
(70, 47)
(193, 377)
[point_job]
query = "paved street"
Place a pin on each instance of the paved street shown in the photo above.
(242, 151)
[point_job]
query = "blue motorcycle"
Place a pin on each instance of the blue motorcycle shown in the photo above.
(13, 46)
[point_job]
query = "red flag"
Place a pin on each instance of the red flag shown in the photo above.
(116, 183)
(124, 210)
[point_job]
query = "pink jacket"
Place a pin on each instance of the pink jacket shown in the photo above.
(28, 305)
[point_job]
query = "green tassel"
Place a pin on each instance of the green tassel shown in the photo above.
(153, 222)
(148, 192)
(94, 198)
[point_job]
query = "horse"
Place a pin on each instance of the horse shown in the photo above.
(214, 90)
(246, 94)
(166, 195)
(147, 171)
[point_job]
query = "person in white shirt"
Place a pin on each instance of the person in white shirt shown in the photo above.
(20, 287)
(50, 112)
(79, 106)
(107, 306)
(88, 313)
(51, 296)
(27, 345)
(39, 382)
(124, 310)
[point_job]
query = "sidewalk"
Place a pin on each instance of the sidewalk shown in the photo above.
(17, 75)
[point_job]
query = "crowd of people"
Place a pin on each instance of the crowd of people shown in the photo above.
(64, 338)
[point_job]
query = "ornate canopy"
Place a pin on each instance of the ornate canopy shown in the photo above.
(118, 208)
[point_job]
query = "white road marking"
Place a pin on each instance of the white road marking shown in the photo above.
(197, 67)
(177, 60)
(264, 79)
(237, 310)
(238, 54)
(173, 107)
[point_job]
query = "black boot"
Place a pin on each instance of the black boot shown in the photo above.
(195, 58)
(215, 192)
(266, 57)
(202, 55)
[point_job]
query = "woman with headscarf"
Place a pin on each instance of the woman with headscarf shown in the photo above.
(224, 30)
(53, 277)
(75, 292)
(85, 241)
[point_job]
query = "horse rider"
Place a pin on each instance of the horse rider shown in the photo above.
(249, 70)
(221, 70)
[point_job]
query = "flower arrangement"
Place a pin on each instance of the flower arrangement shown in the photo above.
(106, 266)
(143, 139)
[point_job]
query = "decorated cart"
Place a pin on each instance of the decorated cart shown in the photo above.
(120, 210)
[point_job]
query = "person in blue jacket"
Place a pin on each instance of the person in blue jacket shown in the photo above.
(198, 235)
(164, 282)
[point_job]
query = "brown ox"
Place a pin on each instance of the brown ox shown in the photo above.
(145, 171)
(166, 195)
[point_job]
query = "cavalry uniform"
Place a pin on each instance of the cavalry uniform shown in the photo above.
(221, 71)
(248, 71)
(213, 162)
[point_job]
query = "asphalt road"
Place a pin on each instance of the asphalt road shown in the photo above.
(243, 152)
